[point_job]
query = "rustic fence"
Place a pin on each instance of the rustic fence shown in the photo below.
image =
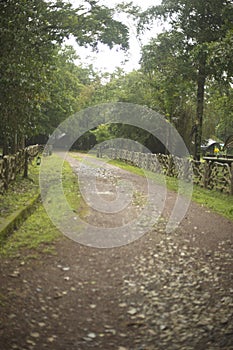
(12, 165)
(210, 175)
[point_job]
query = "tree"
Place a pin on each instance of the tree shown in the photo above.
(31, 31)
(68, 83)
(201, 25)
(170, 73)
(221, 102)
(28, 31)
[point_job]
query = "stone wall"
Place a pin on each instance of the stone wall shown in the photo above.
(210, 175)
(12, 165)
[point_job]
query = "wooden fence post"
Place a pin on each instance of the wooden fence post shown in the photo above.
(231, 189)
(170, 165)
(207, 174)
(6, 171)
(25, 173)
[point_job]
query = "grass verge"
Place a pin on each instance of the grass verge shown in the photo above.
(19, 192)
(37, 234)
(216, 201)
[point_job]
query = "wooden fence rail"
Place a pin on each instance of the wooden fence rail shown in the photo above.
(12, 165)
(210, 175)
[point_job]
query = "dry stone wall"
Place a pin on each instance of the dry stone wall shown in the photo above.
(12, 165)
(211, 175)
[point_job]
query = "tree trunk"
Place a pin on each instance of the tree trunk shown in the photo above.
(25, 173)
(5, 135)
(201, 79)
(5, 149)
(15, 142)
(21, 142)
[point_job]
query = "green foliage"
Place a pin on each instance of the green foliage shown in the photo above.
(223, 104)
(222, 52)
(32, 33)
(41, 84)
(199, 32)
(64, 90)
(29, 33)
(94, 23)
(170, 76)
(102, 133)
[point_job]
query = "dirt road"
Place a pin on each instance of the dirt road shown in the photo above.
(161, 291)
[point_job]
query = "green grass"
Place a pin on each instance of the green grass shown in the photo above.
(37, 234)
(127, 167)
(36, 230)
(215, 201)
(19, 192)
(75, 156)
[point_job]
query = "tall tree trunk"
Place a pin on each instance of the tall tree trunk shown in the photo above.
(15, 142)
(201, 79)
(5, 146)
(21, 143)
(5, 136)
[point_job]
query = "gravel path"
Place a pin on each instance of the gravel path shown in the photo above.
(162, 291)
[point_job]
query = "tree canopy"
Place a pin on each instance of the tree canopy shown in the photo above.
(32, 33)
(185, 74)
(200, 34)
